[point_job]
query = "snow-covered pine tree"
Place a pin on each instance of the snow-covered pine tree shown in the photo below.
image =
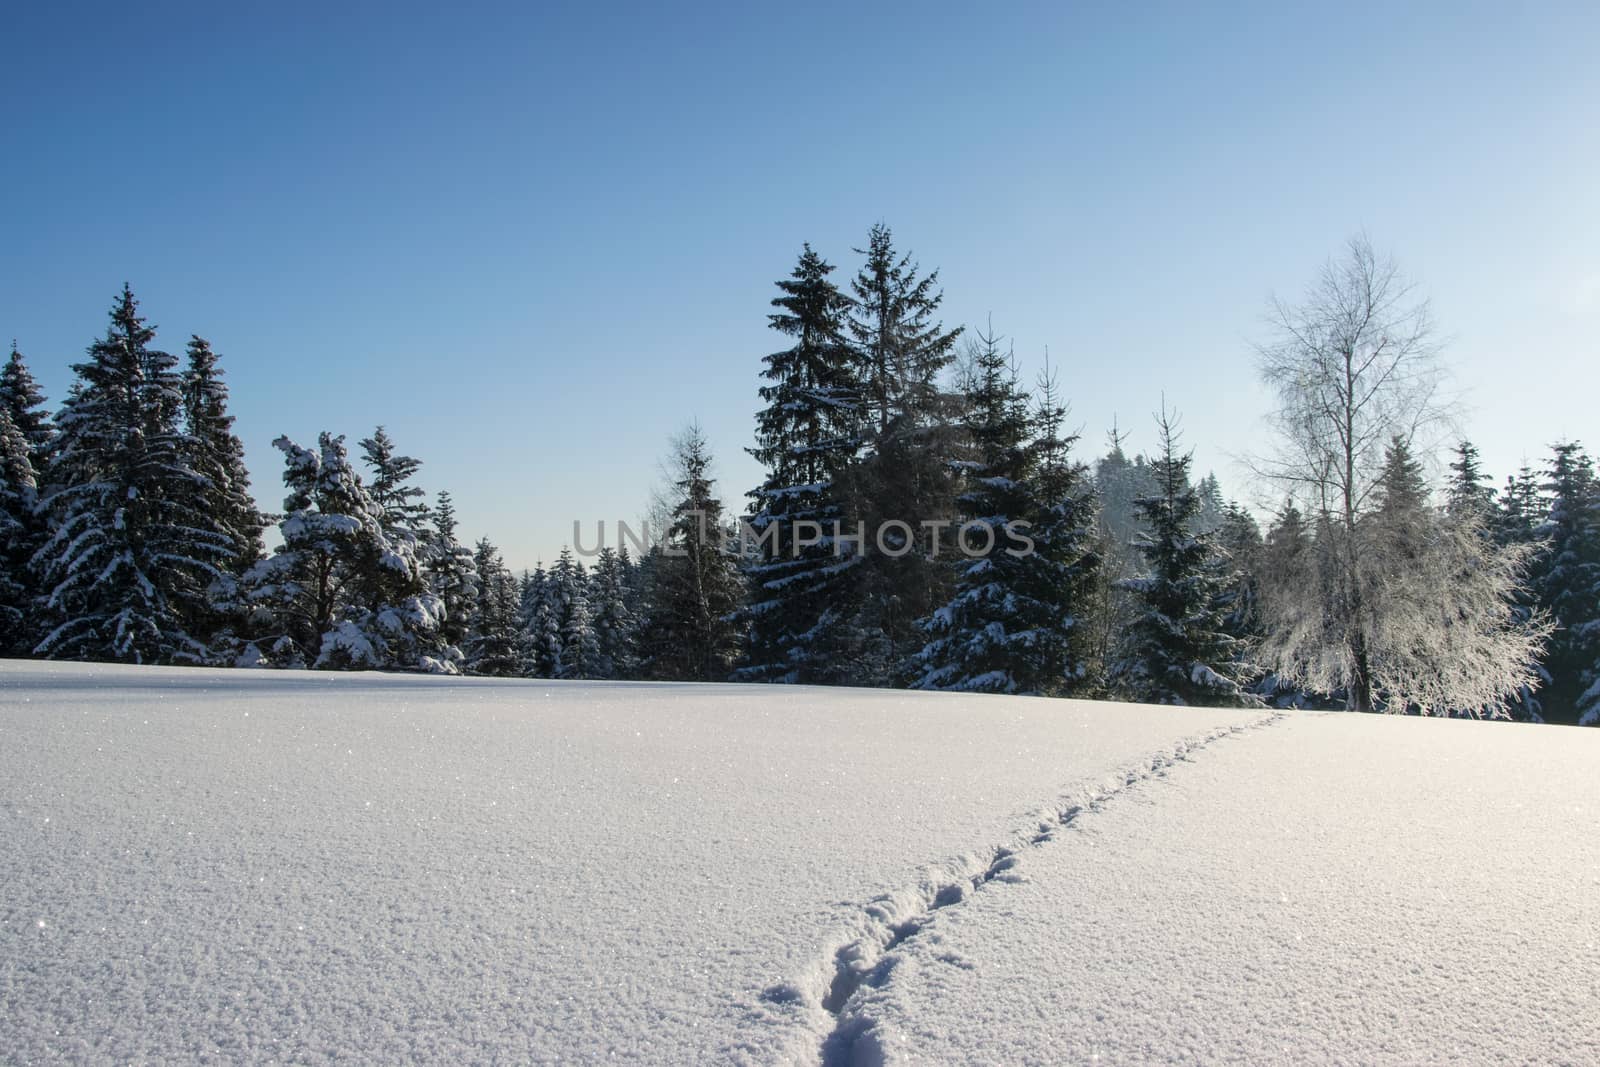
(1467, 492)
(1566, 580)
(613, 621)
(807, 436)
(22, 399)
(132, 550)
(404, 506)
(907, 473)
(1239, 546)
(1213, 505)
(493, 645)
(340, 592)
(452, 572)
(1519, 510)
(691, 630)
(18, 537)
(1119, 482)
(218, 455)
(579, 646)
(1009, 627)
(540, 614)
(1177, 649)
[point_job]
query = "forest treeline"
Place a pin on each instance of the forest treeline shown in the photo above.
(891, 445)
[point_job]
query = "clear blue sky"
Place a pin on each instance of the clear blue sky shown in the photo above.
(534, 242)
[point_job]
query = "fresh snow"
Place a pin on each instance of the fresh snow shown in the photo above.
(1329, 889)
(250, 865)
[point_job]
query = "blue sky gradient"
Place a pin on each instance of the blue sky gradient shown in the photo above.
(535, 241)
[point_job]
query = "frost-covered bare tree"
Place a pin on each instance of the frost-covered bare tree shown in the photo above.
(1397, 606)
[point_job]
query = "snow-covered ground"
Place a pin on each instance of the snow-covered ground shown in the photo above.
(201, 866)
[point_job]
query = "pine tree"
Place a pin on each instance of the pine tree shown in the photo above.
(493, 645)
(1177, 650)
(691, 631)
(807, 436)
(217, 456)
(23, 401)
(613, 620)
(1468, 495)
(541, 612)
(452, 572)
(1213, 505)
(907, 474)
(1239, 546)
(1520, 510)
(579, 648)
(1119, 482)
(18, 536)
(132, 550)
(1009, 627)
(404, 506)
(341, 592)
(1567, 583)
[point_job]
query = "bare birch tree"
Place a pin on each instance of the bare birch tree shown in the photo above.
(1419, 620)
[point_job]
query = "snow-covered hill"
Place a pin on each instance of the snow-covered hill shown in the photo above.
(207, 866)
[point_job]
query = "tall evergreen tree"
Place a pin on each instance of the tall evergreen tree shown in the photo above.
(23, 401)
(1520, 509)
(807, 436)
(452, 571)
(132, 550)
(613, 620)
(18, 536)
(493, 645)
(579, 646)
(1567, 583)
(1468, 495)
(218, 455)
(1009, 627)
(691, 630)
(1178, 649)
(541, 614)
(908, 472)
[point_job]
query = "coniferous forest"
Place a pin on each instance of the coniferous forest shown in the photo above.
(926, 520)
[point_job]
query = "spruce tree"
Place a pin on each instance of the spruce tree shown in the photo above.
(218, 454)
(341, 592)
(1012, 620)
(579, 646)
(1567, 583)
(132, 550)
(1178, 649)
(807, 437)
(1467, 494)
(1519, 510)
(907, 473)
(493, 643)
(23, 401)
(404, 506)
(18, 537)
(613, 620)
(452, 572)
(541, 613)
(691, 630)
